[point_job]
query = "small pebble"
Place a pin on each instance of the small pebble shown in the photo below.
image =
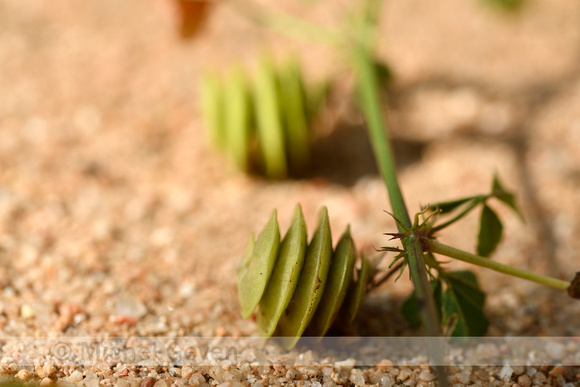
(186, 372)
(560, 380)
(22, 375)
(130, 307)
(539, 378)
(557, 371)
(524, 381)
(147, 382)
(26, 311)
(196, 378)
(383, 364)
(518, 370)
(404, 374)
(506, 373)
(91, 383)
(427, 376)
(345, 364)
(45, 382)
(75, 377)
(358, 379)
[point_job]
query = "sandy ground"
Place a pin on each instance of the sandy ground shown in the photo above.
(116, 220)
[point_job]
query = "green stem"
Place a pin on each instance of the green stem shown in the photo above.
(369, 95)
(464, 256)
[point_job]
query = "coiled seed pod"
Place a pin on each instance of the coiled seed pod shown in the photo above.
(261, 121)
(300, 288)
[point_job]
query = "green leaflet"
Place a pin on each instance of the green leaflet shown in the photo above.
(237, 118)
(490, 230)
(253, 282)
(355, 294)
(294, 112)
(310, 285)
(270, 130)
(211, 105)
(463, 301)
(446, 207)
(339, 278)
(502, 194)
(285, 275)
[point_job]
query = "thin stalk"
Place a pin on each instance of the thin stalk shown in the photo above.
(464, 256)
(369, 95)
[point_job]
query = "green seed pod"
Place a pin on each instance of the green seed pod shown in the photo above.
(294, 112)
(285, 276)
(310, 285)
(268, 115)
(246, 259)
(339, 278)
(253, 282)
(212, 106)
(300, 288)
(237, 118)
(355, 294)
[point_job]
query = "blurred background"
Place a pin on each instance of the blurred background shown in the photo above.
(117, 218)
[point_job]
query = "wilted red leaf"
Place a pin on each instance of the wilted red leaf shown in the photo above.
(574, 288)
(191, 14)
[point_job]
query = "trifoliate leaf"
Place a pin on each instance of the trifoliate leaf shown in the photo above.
(505, 196)
(285, 275)
(253, 283)
(463, 300)
(490, 230)
(339, 278)
(310, 286)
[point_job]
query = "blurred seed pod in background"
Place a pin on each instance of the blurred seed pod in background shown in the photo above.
(191, 15)
(263, 123)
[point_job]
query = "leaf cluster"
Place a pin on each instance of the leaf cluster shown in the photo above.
(459, 298)
(490, 226)
(262, 122)
(299, 287)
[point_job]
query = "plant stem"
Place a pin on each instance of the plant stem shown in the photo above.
(464, 256)
(370, 100)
